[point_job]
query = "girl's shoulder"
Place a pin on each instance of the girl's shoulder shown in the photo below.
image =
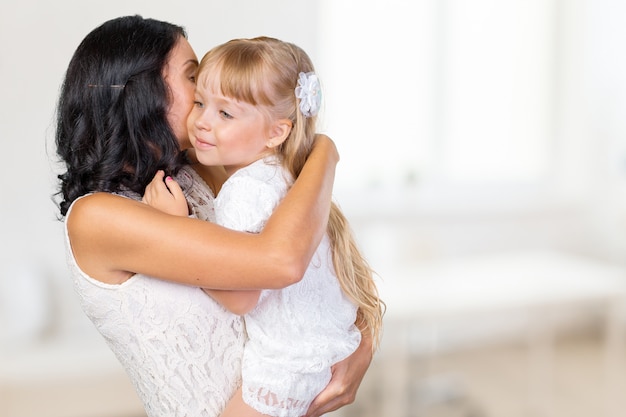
(267, 170)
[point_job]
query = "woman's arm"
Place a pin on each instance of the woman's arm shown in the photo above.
(346, 379)
(166, 195)
(113, 237)
(237, 302)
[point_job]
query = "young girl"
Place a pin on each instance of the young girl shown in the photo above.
(255, 113)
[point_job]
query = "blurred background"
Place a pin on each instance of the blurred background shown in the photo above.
(483, 168)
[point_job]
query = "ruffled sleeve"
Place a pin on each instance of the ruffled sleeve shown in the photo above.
(245, 203)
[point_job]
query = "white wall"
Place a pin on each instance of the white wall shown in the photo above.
(37, 39)
(577, 203)
(480, 115)
(388, 105)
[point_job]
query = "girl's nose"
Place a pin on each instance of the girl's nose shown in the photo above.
(202, 121)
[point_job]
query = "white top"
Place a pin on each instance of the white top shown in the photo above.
(297, 333)
(180, 348)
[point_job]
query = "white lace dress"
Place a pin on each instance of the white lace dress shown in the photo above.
(180, 348)
(294, 334)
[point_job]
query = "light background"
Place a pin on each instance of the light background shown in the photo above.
(467, 129)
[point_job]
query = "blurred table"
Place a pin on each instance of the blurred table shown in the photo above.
(539, 285)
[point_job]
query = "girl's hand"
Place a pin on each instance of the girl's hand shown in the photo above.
(346, 378)
(166, 196)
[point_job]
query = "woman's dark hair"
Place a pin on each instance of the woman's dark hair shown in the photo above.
(112, 128)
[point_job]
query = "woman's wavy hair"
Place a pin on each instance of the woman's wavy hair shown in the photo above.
(264, 72)
(112, 128)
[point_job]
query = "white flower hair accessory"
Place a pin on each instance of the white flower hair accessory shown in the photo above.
(310, 94)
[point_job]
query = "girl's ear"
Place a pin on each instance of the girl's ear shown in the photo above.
(279, 131)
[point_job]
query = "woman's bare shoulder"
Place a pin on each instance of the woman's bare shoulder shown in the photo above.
(98, 200)
(99, 206)
(99, 227)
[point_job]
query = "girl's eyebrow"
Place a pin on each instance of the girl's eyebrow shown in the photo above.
(229, 101)
(218, 98)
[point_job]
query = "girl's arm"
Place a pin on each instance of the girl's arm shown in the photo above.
(114, 237)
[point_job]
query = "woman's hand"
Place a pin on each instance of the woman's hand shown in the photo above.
(324, 142)
(346, 378)
(166, 196)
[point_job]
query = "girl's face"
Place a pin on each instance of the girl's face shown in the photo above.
(180, 75)
(225, 131)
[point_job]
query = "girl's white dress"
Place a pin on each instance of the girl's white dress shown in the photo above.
(180, 348)
(297, 333)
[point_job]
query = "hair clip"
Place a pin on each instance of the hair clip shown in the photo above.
(104, 86)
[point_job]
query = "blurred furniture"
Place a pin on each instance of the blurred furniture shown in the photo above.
(542, 289)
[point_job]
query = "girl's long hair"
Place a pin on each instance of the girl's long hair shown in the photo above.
(264, 72)
(112, 128)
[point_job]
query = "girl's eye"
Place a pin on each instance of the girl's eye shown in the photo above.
(198, 104)
(192, 79)
(225, 115)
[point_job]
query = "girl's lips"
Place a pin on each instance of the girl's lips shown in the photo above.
(199, 143)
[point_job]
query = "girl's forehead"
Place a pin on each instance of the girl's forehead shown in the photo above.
(233, 86)
(211, 87)
(209, 84)
(209, 78)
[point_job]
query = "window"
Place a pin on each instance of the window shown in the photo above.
(439, 92)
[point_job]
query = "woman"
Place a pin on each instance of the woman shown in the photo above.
(138, 272)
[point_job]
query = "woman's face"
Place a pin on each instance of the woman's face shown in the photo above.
(180, 75)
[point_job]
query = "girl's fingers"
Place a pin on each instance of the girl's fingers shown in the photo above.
(174, 188)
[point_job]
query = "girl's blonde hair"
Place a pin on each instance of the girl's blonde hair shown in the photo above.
(264, 72)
